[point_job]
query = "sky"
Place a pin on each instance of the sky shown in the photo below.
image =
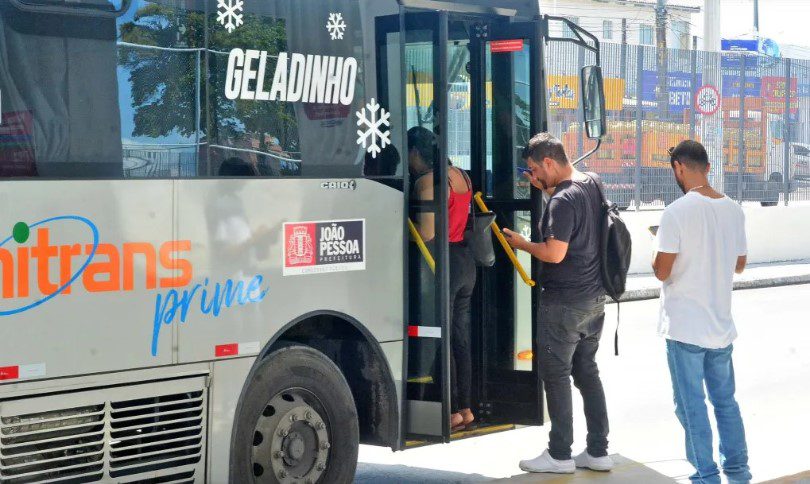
(785, 21)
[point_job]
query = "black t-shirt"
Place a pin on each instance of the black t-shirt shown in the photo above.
(573, 215)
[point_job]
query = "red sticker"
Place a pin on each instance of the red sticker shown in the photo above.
(300, 244)
(511, 45)
(9, 372)
(413, 331)
(231, 349)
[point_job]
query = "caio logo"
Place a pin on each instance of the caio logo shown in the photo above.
(339, 185)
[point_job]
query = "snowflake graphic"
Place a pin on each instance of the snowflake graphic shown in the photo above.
(373, 127)
(336, 26)
(229, 13)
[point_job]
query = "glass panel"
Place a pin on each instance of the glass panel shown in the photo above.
(424, 353)
(523, 301)
(290, 84)
(458, 113)
(508, 121)
(93, 95)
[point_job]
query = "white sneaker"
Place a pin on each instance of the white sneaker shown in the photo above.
(546, 463)
(587, 461)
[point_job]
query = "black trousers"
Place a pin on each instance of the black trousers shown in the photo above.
(568, 338)
(462, 283)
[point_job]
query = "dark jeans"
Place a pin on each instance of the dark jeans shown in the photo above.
(568, 337)
(462, 282)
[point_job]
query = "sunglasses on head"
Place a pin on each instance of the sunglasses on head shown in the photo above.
(672, 159)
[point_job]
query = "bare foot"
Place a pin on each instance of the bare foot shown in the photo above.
(456, 420)
(467, 415)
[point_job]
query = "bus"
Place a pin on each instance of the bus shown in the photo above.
(207, 272)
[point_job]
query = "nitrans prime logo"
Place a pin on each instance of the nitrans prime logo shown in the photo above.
(28, 256)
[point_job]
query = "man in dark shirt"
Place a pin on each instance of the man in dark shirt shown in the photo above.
(572, 305)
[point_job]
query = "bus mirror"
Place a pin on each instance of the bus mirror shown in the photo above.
(593, 102)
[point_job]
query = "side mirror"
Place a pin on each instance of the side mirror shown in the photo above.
(593, 102)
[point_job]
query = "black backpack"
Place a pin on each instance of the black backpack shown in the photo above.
(616, 247)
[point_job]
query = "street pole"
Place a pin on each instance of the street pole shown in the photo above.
(711, 26)
(661, 48)
(623, 66)
(756, 18)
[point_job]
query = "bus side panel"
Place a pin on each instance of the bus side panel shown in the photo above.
(237, 229)
(226, 386)
(394, 354)
(79, 279)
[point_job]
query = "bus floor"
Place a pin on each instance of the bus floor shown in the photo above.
(476, 430)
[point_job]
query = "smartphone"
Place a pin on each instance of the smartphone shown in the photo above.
(522, 170)
(653, 229)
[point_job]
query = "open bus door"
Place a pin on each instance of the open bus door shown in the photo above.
(470, 100)
(508, 107)
(475, 79)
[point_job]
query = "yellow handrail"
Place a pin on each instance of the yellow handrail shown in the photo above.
(506, 247)
(422, 247)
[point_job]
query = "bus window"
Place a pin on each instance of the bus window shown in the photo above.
(99, 96)
(292, 97)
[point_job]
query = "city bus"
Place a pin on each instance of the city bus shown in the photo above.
(206, 267)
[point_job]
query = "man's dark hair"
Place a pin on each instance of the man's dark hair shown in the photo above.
(690, 153)
(544, 145)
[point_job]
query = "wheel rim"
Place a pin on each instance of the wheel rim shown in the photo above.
(291, 439)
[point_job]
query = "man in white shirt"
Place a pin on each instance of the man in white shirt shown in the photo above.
(700, 245)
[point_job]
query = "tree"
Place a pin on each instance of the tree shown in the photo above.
(164, 83)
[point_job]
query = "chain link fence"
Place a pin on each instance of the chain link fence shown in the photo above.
(751, 112)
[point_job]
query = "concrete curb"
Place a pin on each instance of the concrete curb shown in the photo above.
(761, 283)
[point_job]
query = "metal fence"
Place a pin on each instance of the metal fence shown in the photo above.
(751, 112)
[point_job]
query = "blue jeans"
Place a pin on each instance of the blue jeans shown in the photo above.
(690, 366)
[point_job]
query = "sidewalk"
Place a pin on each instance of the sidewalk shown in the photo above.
(646, 286)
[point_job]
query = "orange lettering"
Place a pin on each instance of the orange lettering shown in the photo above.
(181, 265)
(110, 268)
(22, 272)
(8, 273)
(66, 253)
(42, 252)
(148, 250)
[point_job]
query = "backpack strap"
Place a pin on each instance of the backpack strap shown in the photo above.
(605, 204)
(599, 187)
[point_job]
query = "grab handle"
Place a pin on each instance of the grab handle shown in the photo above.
(479, 200)
(422, 247)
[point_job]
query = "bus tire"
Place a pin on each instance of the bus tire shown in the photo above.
(297, 422)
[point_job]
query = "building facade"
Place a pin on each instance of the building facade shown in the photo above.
(630, 21)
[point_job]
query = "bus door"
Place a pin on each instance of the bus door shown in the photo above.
(507, 105)
(412, 69)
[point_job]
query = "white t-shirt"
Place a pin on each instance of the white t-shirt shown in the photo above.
(708, 235)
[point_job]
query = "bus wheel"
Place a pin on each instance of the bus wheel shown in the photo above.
(298, 422)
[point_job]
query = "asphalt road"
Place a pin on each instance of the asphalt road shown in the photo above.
(772, 364)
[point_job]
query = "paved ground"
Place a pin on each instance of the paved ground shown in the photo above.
(646, 286)
(772, 359)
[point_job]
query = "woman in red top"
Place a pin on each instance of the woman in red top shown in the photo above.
(421, 155)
